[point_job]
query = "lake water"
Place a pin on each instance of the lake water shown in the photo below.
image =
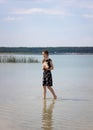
(21, 103)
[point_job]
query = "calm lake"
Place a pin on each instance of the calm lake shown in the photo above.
(21, 103)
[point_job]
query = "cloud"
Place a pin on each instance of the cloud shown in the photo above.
(10, 18)
(34, 1)
(2, 1)
(88, 15)
(40, 11)
(87, 5)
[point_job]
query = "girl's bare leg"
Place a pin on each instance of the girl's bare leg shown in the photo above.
(52, 91)
(44, 93)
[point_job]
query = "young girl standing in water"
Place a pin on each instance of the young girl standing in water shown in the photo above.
(47, 76)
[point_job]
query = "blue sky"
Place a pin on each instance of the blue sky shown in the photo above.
(46, 23)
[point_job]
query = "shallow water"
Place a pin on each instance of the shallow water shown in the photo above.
(21, 104)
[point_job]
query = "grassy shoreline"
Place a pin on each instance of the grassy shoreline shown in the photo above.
(18, 59)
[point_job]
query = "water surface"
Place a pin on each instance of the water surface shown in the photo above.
(21, 104)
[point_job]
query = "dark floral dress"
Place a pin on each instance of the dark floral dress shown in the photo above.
(47, 75)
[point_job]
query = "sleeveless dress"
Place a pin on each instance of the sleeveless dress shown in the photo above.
(47, 75)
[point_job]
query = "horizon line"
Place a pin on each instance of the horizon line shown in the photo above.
(40, 47)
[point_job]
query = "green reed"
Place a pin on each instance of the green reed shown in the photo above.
(18, 59)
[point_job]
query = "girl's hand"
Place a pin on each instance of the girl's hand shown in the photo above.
(45, 68)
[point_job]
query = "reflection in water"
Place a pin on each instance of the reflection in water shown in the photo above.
(47, 121)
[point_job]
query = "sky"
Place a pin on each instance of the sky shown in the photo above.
(45, 23)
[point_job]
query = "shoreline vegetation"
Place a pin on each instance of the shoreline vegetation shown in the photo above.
(18, 59)
(52, 50)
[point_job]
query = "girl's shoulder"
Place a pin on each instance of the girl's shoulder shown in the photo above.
(50, 60)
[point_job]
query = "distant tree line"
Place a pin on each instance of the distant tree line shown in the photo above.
(52, 50)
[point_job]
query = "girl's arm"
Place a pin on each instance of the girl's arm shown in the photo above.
(52, 66)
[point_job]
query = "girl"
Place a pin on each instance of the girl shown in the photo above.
(47, 66)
